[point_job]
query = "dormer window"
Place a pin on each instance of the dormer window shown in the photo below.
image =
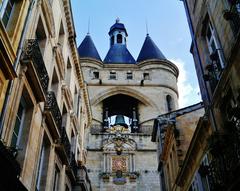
(119, 39)
(112, 76)
(146, 76)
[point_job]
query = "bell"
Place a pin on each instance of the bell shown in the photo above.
(120, 121)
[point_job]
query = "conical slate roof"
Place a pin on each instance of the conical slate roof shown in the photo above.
(88, 49)
(119, 54)
(150, 51)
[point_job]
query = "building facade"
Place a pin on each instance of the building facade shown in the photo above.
(125, 96)
(46, 110)
(215, 30)
(174, 133)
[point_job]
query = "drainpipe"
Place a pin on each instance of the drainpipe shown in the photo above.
(195, 46)
(16, 65)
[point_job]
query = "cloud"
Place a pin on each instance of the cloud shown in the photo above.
(188, 94)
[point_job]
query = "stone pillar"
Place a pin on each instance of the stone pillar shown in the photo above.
(105, 119)
(134, 121)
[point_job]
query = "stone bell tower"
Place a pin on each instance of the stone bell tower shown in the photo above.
(125, 95)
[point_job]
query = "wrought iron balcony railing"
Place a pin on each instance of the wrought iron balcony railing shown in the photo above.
(225, 164)
(73, 165)
(233, 15)
(32, 52)
(66, 143)
(63, 147)
(51, 105)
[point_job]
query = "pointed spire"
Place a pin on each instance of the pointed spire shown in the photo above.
(88, 26)
(147, 27)
(150, 51)
(87, 49)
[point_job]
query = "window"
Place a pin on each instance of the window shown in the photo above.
(56, 179)
(69, 73)
(64, 116)
(214, 50)
(113, 76)
(169, 102)
(55, 82)
(41, 36)
(20, 133)
(95, 75)
(61, 35)
(76, 101)
(43, 165)
(146, 76)
(18, 123)
(119, 39)
(7, 9)
(73, 143)
(129, 76)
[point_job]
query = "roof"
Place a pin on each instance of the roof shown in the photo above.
(150, 51)
(118, 26)
(118, 53)
(88, 49)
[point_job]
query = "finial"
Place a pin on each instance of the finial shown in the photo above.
(88, 26)
(147, 27)
(117, 20)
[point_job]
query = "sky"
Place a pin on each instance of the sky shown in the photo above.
(166, 24)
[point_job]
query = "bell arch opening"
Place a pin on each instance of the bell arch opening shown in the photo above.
(121, 110)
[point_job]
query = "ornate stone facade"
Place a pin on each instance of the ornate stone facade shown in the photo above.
(47, 111)
(125, 96)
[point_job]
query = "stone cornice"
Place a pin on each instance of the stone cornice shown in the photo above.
(92, 61)
(76, 60)
(80, 77)
(160, 63)
(69, 18)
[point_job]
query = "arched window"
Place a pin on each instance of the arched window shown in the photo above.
(119, 38)
(169, 101)
(112, 40)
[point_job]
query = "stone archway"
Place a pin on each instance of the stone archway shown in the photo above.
(125, 91)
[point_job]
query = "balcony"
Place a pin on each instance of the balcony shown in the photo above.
(10, 170)
(64, 147)
(53, 114)
(233, 15)
(72, 169)
(223, 170)
(36, 72)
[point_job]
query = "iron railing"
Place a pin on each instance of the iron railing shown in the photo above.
(225, 150)
(73, 164)
(66, 143)
(52, 105)
(32, 52)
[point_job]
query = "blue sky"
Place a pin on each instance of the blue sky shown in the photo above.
(167, 26)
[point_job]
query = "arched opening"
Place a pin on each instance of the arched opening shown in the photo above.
(119, 39)
(120, 107)
(169, 102)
